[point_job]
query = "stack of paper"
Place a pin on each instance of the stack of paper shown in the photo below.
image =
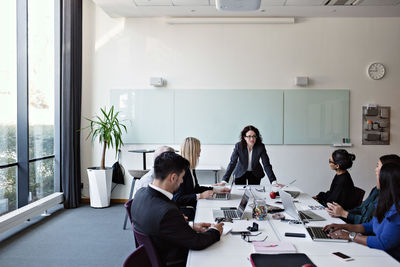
(271, 247)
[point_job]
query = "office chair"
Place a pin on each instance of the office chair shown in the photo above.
(358, 196)
(138, 258)
(143, 239)
(127, 206)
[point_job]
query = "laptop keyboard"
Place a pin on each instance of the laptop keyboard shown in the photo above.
(316, 232)
(220, 195)
(230, 214)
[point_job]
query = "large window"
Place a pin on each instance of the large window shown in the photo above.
(28, 87)
(8, 105)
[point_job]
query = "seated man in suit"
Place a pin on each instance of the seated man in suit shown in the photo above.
(155, 214)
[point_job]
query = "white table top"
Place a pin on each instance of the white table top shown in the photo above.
(208, 168)
(232, 251)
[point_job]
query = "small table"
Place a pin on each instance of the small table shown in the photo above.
(144, 151)
(213, 168)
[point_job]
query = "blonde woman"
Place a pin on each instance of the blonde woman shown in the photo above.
(190, 190)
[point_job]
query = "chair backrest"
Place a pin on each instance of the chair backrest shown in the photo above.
(127, 206)
(143, 239)
(138, 258)
(358, 195)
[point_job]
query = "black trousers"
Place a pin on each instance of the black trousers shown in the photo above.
(249, 177)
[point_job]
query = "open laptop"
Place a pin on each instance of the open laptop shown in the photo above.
(222, 196)
(290, 208)
(316, 233)
(233, 213)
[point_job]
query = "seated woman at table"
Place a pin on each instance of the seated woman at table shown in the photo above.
(245, 160)
(364, 212)
(342, 186)
(383, 231)
(190, 191)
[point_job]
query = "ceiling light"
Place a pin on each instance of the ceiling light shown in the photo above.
(238, 5)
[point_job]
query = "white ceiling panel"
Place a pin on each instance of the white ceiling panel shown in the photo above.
(153, 2)
(191, 2)
(379, 2)
(265, 3)
(305, 2)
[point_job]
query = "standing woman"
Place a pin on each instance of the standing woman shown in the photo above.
(342, 186)
(245, 160)
(190, 191)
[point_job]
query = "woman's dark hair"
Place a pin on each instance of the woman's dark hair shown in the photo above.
(343, 158)
(243, 134)
(389, 192)
(390, 158)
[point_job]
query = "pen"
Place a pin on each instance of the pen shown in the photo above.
(290, 183)
(271, 246)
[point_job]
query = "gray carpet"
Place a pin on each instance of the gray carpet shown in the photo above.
(76, 237)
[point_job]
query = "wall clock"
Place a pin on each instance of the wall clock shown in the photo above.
(376, 71)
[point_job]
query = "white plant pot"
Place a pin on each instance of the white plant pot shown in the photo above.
(100, 187)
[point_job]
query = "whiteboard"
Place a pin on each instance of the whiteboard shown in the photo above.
(218, 116)
(316, 116)
(162, 116)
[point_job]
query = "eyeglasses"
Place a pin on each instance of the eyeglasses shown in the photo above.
(331, 162)
(251, 136)
(246, 237)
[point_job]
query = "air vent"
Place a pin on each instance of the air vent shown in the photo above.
(340, 2)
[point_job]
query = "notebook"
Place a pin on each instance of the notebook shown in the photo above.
(233, 213)
(273, 247)
(279, 260)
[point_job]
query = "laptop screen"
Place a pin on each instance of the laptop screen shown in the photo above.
(243, 201)
(288, 204)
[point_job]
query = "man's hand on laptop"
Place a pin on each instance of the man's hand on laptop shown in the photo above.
(207, 194)
(221, 189)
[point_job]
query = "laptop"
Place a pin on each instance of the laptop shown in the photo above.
(222, 196)
(290, 208)
(316, 233)
(294, 194)
(233, 213)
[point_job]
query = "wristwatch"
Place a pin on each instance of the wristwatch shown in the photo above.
(352, 235)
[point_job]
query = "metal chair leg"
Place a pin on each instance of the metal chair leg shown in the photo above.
(130, 196)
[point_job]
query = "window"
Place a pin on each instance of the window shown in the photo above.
(27, 151)
(8, 105)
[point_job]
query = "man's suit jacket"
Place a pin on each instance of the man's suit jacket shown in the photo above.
(186, 194)
(240, 161)
(156, 215)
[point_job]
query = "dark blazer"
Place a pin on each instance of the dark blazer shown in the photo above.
(240, 161)
(341, 192)
(156, 215)
(186, 194)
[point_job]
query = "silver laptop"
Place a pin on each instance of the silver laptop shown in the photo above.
(222, 196)
(290, 208)
(233, 213)
(316, 233)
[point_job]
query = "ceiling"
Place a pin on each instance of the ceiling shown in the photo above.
(269, 8)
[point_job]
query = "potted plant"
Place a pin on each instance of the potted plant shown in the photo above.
(108, 130)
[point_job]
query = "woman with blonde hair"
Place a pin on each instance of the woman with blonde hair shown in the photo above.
(190, 191)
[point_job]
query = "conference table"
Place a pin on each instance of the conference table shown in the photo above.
(233, 251)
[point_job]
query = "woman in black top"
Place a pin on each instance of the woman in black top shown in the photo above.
(342, 187)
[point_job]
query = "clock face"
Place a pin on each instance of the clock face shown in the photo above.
(376, 71)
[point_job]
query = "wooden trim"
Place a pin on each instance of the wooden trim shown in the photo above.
(112, 201)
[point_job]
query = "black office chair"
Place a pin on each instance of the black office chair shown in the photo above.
(143, 239)
(138, 258)
(358, 196)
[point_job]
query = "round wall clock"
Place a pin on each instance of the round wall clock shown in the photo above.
(376, 71)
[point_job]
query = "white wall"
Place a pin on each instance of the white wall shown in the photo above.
(333, 52)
